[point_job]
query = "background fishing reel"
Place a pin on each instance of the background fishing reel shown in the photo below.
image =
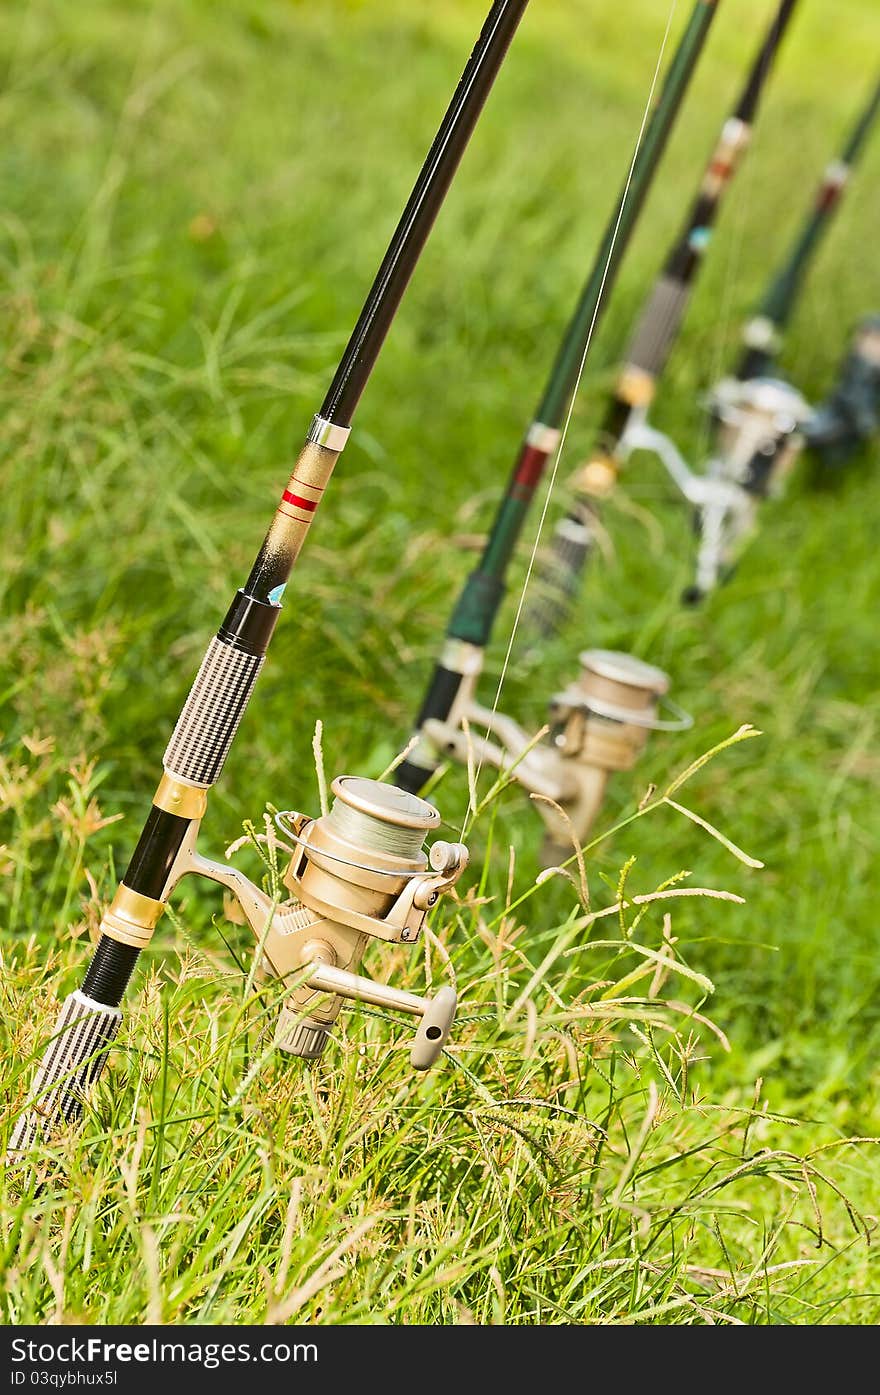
(759, 435)
(357, 873)
(850, 415)
(599, 724)
(763, 424)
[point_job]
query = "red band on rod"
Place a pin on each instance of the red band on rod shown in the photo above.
(529, 468)
(828, 196)
(299, 502)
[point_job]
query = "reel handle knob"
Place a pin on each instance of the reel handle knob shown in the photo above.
(433, 1029)
(448, 857)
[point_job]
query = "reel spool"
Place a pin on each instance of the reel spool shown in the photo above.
(356, 873)
(600, 724)
(759, 435)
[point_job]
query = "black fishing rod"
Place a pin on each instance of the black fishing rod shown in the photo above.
(648, 351)
(222, 689)
(455, 676)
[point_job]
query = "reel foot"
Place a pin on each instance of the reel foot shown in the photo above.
(297, 1036)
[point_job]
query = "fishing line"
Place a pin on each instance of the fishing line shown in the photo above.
(570, 411)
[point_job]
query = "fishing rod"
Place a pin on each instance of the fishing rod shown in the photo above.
(624, 427)
(454, 679)
(358, 872)
(761, 421)
(762, 335)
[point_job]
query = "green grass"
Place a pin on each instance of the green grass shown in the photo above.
(193, 199)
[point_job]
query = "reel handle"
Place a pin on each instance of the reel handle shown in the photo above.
(437, 1013)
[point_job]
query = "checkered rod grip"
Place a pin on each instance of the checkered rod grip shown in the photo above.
(215, 706)
(656, 330)
(559, 571)
(73, 1061)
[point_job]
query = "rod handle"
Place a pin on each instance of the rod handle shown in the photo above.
(74, 1058)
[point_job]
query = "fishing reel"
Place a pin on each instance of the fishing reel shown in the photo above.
(759, 425)
(599, 724)
(758, 440)
(759, 434)
(762, 426)
(851, 413)
(357, 873)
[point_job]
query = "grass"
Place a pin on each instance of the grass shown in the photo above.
(643, 1118)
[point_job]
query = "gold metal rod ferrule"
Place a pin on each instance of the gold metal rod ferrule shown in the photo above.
(635, 386)
(178, 797)
(131, 918)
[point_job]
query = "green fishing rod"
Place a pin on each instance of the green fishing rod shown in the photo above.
(762, 335)
(573, 539)
(850, 414)
(473, 617)
(360, 871)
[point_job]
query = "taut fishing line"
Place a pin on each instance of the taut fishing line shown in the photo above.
(570, 411)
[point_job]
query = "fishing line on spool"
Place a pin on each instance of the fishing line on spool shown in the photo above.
(390, 843)
(564, 433)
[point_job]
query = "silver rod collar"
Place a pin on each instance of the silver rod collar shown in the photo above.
(326, 433)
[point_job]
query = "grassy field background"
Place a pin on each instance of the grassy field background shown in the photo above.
(193, 200)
